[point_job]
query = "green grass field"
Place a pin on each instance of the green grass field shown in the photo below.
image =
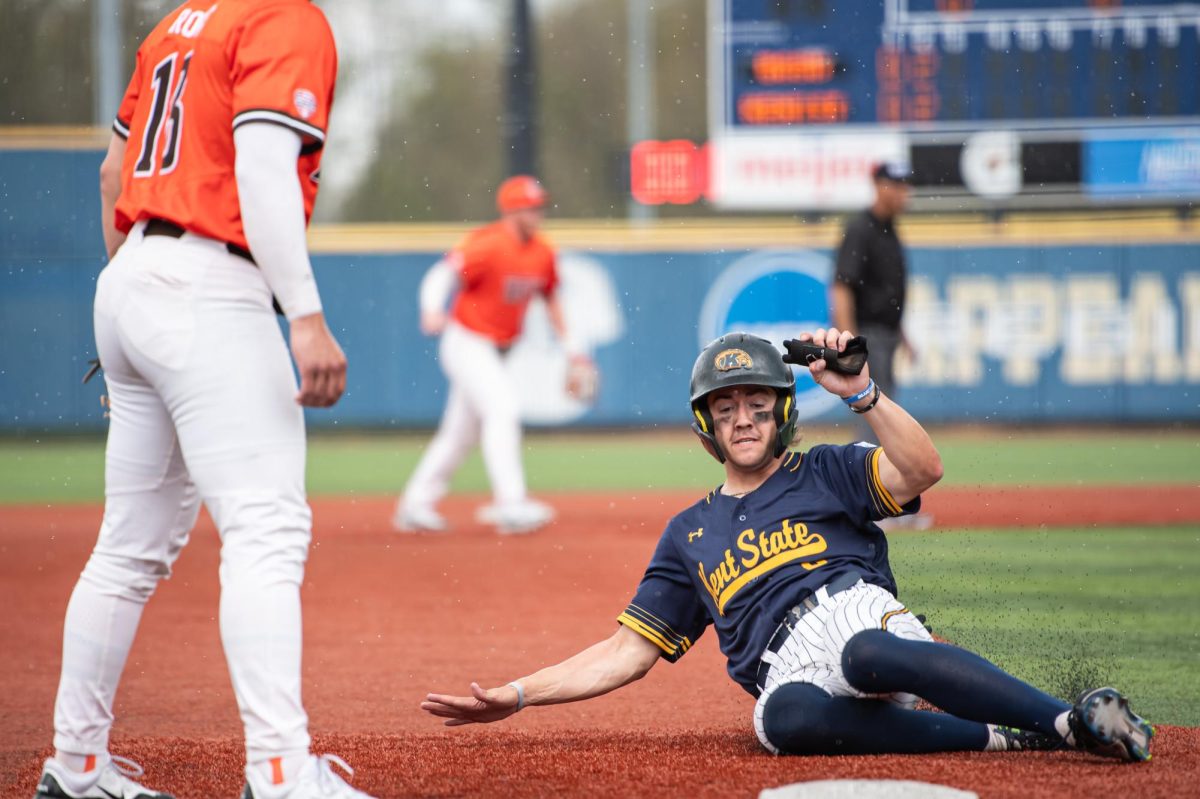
(71, 470)
(1062, 608)
(1069, 609)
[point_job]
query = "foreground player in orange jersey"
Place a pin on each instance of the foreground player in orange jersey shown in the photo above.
(206, 191)
(496, 271)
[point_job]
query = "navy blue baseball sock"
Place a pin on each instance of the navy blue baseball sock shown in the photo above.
(957, 681)
(802, 719)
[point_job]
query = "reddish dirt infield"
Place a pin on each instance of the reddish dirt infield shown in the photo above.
(389, 617)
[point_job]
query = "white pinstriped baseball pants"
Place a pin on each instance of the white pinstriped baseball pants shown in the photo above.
(813, 652)
(201, 390)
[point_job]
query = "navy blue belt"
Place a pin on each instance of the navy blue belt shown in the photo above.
(784, 631)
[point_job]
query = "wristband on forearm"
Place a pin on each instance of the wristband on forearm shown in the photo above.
(866, 392)
(869, 405)
(520, 693)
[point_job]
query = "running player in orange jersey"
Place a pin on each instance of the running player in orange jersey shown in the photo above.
(206, 191)
(497, 270)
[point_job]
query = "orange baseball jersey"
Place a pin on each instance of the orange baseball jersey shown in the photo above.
(500, 274)
(207, 68)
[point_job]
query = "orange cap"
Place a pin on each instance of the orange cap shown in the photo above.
(519, 192)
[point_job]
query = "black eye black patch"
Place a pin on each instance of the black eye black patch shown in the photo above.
(762, 417)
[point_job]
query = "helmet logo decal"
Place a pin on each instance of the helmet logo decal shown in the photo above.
(728, 360)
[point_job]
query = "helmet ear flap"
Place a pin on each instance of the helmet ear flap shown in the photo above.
(785, 420)
(703, 427)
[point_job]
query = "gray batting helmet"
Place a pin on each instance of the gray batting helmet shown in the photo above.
(740, 359)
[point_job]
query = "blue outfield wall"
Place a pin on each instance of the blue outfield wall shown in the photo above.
(1005, 334)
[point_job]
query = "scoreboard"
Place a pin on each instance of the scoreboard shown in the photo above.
(944, 65)
(1061, 88)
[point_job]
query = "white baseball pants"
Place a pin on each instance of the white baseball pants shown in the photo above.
(482, 405)
(201, 390)
(813, 652)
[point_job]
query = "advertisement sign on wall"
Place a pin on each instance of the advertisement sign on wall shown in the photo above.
(795, 171)
(1133, 168)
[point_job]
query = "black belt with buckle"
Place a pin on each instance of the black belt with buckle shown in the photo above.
(161, 227)
(784, 631)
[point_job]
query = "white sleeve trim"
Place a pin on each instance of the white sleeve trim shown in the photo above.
(278, 118)
(272, 207)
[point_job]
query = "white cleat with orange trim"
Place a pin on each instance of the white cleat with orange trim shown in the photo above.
(112, 780)
(316, 780)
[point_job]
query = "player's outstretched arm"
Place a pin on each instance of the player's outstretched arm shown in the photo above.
(616, 661)
(910, 463)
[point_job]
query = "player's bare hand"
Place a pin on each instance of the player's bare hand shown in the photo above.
(433, 322)
(834, 382)
(320, 360)
(481, 707)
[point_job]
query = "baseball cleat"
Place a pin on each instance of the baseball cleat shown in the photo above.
(1015, 740)
(1102, 723)
(418, 520)
(316, 780)
(516, 518)
(487, 514)
(113, 781)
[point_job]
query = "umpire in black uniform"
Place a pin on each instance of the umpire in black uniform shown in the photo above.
(868, 287)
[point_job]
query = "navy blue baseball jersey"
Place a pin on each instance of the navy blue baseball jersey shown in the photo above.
(740, 563)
